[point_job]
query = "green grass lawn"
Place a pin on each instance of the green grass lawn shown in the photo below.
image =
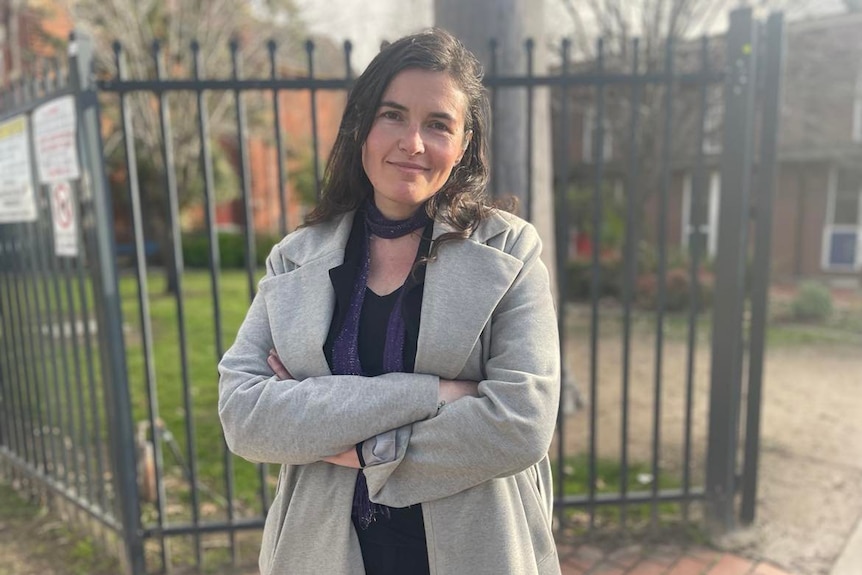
(201, 375)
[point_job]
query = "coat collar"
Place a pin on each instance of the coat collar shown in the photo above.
(463, 285)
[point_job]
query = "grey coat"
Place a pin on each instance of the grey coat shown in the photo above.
(479, 466)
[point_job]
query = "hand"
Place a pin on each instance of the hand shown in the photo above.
(276, 366)
(453, 389)
(345, 459)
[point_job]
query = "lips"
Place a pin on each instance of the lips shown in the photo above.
(409, 166)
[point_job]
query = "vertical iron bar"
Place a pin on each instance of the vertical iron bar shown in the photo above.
(630, 258)
(47, 350)
(529, 46)
(8, 434)
(250, 256)
(143, 296)
(661, 273)
(495, 139)
(697, 216)
(55, 349)
(36, 337)
(562, 267)
(95, 420)
(33, 386)
(773, 74)
(20, 353)
(245, 175)
(14, 407)
(5, 375)
(174, 222)
(279, 147)
(596, 277)
(215, 261)
(67, 429)
(79, 377)
(315, 136)
(726, 361)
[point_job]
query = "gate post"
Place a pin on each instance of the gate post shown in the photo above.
(726, 366)
(106, 291)
(765, 189)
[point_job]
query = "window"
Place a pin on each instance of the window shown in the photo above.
(712, 121)
(842, 234)
(708, 225)
(591, 135)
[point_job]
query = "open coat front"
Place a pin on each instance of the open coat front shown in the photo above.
(479, 466)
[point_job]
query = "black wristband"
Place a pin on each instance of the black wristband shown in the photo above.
(359, 455)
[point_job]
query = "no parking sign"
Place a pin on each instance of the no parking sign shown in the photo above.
(65, 220)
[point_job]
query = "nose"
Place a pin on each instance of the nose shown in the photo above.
(411, 141)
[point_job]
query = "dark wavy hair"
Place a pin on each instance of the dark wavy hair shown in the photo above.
(462, 201)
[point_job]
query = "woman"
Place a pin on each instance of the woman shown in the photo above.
(401, 358)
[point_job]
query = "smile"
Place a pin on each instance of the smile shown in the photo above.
(408, 167)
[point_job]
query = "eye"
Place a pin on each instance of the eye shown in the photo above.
(441, 126)
(390, 115)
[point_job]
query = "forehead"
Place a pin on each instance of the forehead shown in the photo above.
(424, 91)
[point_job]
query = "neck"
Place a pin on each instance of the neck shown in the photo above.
(380, 225)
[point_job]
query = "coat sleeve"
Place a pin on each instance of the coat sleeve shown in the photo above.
(297, 422)
(510, 426)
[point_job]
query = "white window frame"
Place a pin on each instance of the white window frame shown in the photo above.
(830, 228)
(587, 137)
(711, 227)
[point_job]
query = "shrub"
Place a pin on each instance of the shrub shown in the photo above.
(231, 249)
(813, 303)
(580, 278)
(677, 290)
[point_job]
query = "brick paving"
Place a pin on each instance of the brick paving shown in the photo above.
(661, 560)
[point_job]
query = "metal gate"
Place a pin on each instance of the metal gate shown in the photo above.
(90, 410)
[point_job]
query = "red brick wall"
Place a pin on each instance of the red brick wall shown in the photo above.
(801, 198)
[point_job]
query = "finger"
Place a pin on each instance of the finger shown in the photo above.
(277, 367)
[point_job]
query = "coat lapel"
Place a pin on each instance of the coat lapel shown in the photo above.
(301, 301)
(462, 287)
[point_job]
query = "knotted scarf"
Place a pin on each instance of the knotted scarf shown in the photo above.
(345, 348)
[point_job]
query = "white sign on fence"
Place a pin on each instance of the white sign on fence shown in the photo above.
(17, 201)
(65, 220)
(54, 135)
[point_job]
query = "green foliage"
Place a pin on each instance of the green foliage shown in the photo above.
(678, 295)
(231, 250)
(580, 278)
(580, 204)
(677, 290)
(608, 479)
(813, 303)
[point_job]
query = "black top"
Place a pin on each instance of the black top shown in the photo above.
(394, 546)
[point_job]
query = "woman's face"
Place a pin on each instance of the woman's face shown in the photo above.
(417, 137)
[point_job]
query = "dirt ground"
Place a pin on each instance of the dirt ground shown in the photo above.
(810, 473)
(34, 541)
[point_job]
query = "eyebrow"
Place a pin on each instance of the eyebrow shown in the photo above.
(403, 108)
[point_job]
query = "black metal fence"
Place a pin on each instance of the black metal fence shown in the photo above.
(108, 384)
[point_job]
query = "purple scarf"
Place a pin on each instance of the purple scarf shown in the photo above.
(345, 348)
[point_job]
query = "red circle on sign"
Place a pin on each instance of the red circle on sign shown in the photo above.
(63, 205)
